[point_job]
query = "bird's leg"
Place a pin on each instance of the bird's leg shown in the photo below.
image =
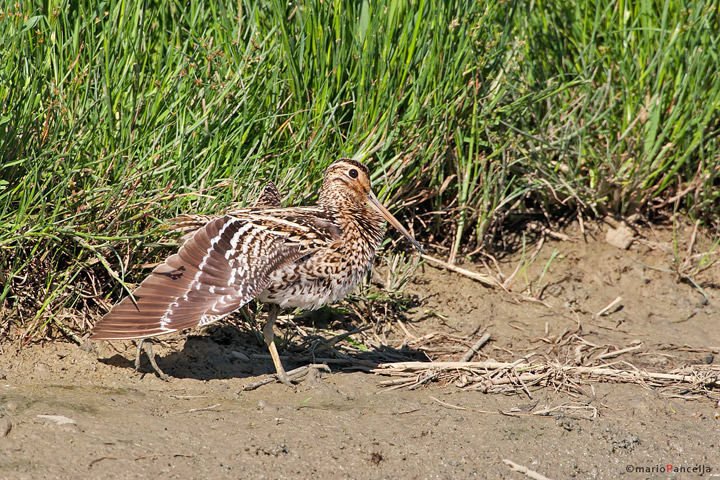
(269, 334)
(151, 356)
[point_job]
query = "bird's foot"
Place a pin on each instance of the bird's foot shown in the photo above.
(291, 376)
(284, 378)
(147, 343)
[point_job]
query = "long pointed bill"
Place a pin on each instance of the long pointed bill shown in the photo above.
(393, 221)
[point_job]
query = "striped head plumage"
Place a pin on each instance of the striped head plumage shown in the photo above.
(289, 257)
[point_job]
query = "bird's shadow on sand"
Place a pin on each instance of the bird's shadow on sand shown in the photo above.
(201, 357)
(226, 352)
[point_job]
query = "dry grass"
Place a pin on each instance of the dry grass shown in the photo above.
(524, 375)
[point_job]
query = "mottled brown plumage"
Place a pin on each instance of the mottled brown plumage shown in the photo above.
(286, 257)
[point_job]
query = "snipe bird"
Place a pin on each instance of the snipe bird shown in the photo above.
(302, 257)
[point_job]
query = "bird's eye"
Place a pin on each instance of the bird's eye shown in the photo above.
(353, 173)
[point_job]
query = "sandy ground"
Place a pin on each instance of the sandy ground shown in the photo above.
(83, 412)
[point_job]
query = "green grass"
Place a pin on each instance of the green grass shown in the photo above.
(117, 115)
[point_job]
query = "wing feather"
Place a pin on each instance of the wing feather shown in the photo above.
(212, 275)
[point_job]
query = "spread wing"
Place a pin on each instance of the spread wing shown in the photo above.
(224, 265)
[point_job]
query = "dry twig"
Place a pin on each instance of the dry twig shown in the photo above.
(524, 470)
(475, 348)
(193, 410)
(617, 353)
(486, 280)
(605, 310)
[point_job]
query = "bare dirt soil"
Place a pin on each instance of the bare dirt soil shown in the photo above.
(83, 412)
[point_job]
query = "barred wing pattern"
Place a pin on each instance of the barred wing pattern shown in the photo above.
(224, 265)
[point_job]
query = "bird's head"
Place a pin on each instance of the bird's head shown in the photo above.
(347, 181)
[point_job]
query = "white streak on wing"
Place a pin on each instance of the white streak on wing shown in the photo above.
(236, 237)
(206, 319)
(256, 250)
(250, 239)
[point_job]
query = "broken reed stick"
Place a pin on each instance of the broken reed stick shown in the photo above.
(619, 352)
(475, 348)
(414, 366)
(516, 412)
(486, 280)
(524, 470)
(193, 410)
(612, 304)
